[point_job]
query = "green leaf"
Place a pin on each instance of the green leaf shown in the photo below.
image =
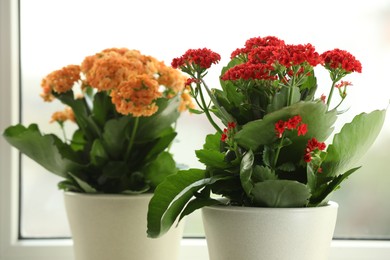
(322, 192)
(47, 150)
(213, 142)
(78, 142)
(280, 99)
(98, 154)
(156, 171)
(114, 136)
(102, 107)
(69, 185)
(262, 132)
(195, 111)
(113, 170)
(162, 144)
(212, 158)
(309, 87)
(170, 197)
(352, 142)
(83, 185)
(151, 127)
(280, 194)
(197, 203)
(82, 114)
(246, 169)
(261, 173)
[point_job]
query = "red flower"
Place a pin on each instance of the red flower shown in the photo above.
(204, 58)
(313, 144)
(302, 129)
(323, 98)
(293, 122)
(248, 71)
(231, 125)
(337, 58)
(279, 128)
(307, 157)
(299, 54)
(190, 80)
(343, 84)
(256, 42)
(266, 54)
(228, 131)
(321, 146)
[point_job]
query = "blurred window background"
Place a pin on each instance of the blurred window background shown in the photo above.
(57, 33)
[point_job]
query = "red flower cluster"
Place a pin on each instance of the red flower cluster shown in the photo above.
(228, 131)
(264, 55)
(311, 146)
(298, 54)
(337, 58)
(248, 71)
(293, 123)
(204, 58)
(255, 42)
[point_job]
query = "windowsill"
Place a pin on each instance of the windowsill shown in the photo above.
(194, 249)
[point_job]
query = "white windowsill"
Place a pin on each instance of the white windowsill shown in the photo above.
(192, 249)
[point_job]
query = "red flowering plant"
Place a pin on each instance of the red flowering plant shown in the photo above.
(124, 105)
(271, 151)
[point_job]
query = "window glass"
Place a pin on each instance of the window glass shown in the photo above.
(58, 33)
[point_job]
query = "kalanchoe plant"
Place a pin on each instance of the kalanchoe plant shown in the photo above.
(271, 151)
(125, 105)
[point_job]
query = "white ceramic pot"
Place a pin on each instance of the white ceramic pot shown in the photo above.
(113, 227)
(269, 233)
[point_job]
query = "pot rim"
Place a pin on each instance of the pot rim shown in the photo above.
(107, 195)
(330, 204)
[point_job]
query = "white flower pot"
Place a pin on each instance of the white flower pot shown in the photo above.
(113, 227)
(269, 233)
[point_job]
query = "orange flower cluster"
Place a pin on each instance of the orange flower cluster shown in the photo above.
(134, 81)
(136, 95)
(62, 116)
(60, 81)
(186, 102)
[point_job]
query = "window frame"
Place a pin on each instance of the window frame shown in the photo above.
(11, 245)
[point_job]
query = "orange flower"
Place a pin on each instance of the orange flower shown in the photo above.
(136, 96)
(152, 65)
(46, 92)
(62, 116)
(134, 81)
(60, 81)
(171, 78)
(186, 102)
(109, 71)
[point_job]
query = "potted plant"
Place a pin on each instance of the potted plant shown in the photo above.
(124, 105)
(269, 170)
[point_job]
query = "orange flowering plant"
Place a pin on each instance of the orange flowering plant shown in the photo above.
(270, 150)
(125, 105)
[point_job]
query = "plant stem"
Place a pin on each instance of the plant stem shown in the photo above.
(278, 152)
(206, 110)
(132, 137)
(227, 116)
(290, 95)
(331, 93)
(63, 131)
